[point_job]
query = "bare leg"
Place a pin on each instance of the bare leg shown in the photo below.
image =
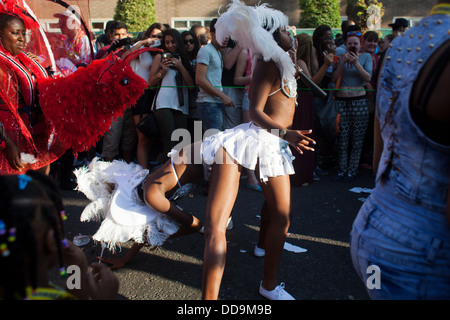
(162, 183)
(120, 262)
(144, 146)
(157, 185)
(222, 194)
(263, 226)
(275, 220)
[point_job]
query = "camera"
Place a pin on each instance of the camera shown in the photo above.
(121, 43)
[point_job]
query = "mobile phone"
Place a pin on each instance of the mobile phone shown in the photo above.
(351, 49)
(156, 44)
(166, 55)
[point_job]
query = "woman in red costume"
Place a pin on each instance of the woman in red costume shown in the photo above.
(25, 136)
(42, 117)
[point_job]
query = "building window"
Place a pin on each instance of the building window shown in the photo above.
(183, 24)
(98, 25)
(180, 24)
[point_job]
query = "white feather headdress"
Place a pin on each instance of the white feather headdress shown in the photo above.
(253, 28)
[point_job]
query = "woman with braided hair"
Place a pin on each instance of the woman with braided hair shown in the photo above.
(32, 242)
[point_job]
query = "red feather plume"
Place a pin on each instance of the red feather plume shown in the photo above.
(82, 106)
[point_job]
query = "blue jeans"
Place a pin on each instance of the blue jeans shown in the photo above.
(211, 114)
(410, 248)
(217, 116)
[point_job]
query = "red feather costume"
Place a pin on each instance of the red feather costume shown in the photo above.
(62, 113)
(46, 116)
(82, 106)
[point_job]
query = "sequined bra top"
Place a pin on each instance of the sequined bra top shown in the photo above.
(291, 84)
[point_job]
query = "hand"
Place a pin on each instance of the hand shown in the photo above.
(102, 283)
(166, 64)
(148, 42)
(227, 101)
(351, 57)
(74, 255)
(328, 58)
(33, 56)
(299, 141)
(176, 62)
(297, 70)
(13, 155)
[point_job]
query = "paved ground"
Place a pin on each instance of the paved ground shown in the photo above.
(322, 219)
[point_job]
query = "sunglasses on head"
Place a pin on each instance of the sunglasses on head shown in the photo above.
(354, 33)
(186, 41)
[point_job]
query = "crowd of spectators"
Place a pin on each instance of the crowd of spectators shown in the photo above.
(207, 83)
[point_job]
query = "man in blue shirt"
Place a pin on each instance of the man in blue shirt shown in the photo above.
(211, 100)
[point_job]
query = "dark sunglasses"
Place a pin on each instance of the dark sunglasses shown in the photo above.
(191, 41)
(159, 36)
(354, 33)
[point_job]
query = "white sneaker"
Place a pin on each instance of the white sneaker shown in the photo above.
(259, 252)
(276, 294)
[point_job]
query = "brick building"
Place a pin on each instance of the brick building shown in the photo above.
(181, 14)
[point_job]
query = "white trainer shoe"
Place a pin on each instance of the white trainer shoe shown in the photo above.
(276, 294)
(259, 252)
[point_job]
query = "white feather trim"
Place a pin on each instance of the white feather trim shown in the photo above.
(245, 25)
(99, 183)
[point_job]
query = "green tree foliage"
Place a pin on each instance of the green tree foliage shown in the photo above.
(137, 14)
(318, 12)
(359, 12)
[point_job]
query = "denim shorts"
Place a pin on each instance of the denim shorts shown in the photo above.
(411, 249)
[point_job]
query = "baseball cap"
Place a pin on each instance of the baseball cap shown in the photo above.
(70, 13)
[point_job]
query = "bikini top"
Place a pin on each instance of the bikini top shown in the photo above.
(291, 84)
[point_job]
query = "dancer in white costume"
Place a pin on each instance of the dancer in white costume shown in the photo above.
(261, 145)
(135, 205)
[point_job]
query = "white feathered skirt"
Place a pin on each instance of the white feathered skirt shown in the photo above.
(250, 145)
(111, 188)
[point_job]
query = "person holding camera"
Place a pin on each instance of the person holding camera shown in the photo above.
(350, 76)
(121, 138)
(120, 41)
(172, 72)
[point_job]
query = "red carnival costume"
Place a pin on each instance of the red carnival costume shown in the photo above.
(18, 111)
(46, 116)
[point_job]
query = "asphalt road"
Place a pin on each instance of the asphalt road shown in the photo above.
(322, 218)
